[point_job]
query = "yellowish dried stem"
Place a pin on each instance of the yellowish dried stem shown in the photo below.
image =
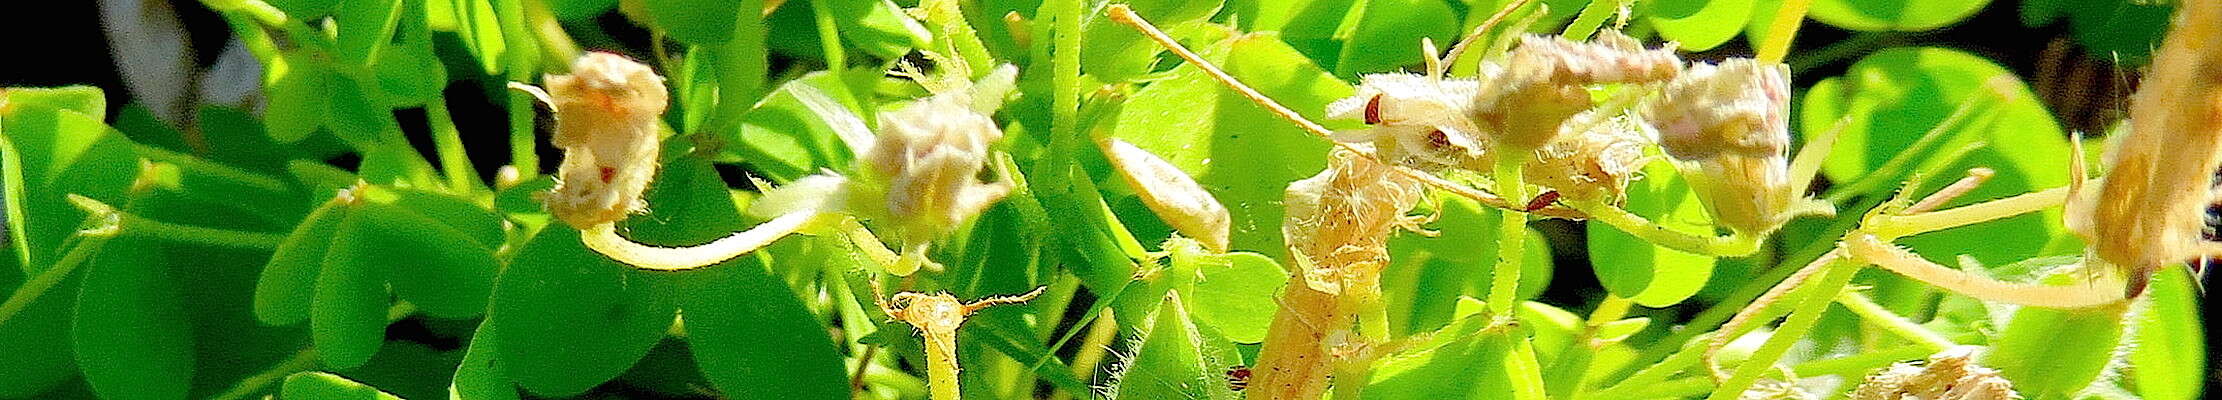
(937, 317)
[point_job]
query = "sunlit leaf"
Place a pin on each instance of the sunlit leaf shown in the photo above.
(1236, 295)
(2169, 354)
(325, 386)
(131, 334)
(1651, 275)
(2029, 351)
(1699, 25)
(1175, 360)
(1241, 153)
(1893, 15)
(1894, 96)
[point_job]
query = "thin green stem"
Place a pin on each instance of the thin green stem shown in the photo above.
(1849, 367)
(829, 39)
(1733, 245)
(1896, 226)
(740, 66)
(1591, 18)
(1065, 78)
(447, 141)
(1891, 322)
(1858, 365)
(136, 226)
(1512, 233)
(304, 360)
(1890, 170)
(1811, 299)
(1692, 353)
(524, 155)
(250, 386)
(53, 275)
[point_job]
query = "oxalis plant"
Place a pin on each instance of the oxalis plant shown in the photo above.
(945, 199)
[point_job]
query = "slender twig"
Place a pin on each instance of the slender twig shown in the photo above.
(1859, 304)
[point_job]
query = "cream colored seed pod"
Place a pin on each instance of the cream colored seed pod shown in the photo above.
(1416, 121)
(1728, 128)
(929, 155)
(1175, 197)
(606, 112)
(1594, 164)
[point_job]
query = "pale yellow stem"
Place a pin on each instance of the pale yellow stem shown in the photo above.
(604, 239)
(1868, 248)
(1732, 245)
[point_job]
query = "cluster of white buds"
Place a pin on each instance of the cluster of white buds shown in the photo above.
(1949, 375)
(1536, 98)
(606, 116)
(1727, 126)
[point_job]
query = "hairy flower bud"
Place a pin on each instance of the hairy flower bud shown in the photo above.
(1594, 157)
(1728, 128)
(1949, 375)
(928, 156)
(1543, 82)
(605, 112)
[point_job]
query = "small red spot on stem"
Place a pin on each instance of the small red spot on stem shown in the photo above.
(1542, 200)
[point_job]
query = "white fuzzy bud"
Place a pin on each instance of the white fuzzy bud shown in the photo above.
(1728, 128)
(928, 156)
(606, 113)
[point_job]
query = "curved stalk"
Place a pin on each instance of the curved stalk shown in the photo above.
(604, 239)
(1868, 248)
(1734, 245)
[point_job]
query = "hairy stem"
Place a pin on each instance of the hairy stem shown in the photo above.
(1891, 322)
(1512, 232)
(941, 367)
(1870, 249)
(1734, 245)
(1812, 300)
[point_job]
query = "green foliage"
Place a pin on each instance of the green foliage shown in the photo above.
(242, 255)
